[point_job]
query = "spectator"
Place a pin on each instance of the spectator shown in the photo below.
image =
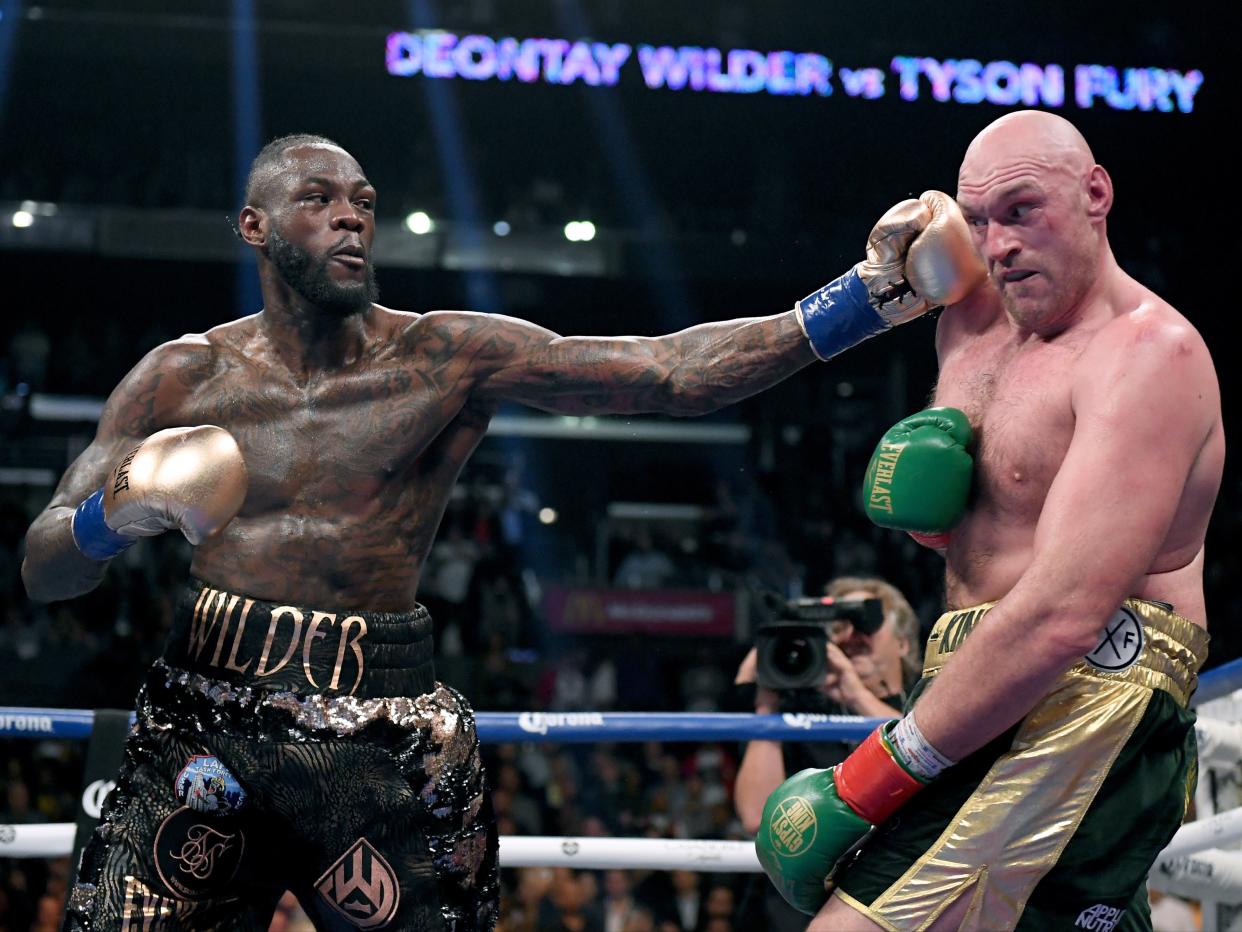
(644, 567)
(868, 674)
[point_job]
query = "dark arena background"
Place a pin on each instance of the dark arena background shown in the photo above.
(597, 167)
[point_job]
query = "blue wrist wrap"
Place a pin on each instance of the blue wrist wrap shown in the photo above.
(839, 316)
(92, 534)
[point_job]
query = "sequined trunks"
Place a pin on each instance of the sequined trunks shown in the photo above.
(1056, 823)
(236, 786)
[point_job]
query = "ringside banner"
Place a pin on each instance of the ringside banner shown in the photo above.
(628, 611)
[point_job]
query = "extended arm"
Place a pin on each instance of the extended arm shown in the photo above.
(1145, 401)
(691, 372)
(918, 255)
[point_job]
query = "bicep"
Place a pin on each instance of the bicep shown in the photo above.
(1139, 427)
(573, 375)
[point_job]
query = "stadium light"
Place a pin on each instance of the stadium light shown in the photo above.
(419, 223)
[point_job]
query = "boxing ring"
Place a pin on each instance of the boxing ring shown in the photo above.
(1190, 866)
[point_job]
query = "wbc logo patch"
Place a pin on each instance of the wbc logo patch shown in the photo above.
(1120, 644)
(361, 887)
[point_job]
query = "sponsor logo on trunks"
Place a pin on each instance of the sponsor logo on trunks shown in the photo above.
(1120, 645)
(206, 785)
(361, 887)
(8, 834)
(146, 911)
(792, 827)
(1099, 918)
(569, 848)
(94, 795)
(538, 723)
(197, 859)
(40, 723)
(216, 609)
(957, 627)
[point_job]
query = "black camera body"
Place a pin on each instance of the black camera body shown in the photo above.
(791, 649)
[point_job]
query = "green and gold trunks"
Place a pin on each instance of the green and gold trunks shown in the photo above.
(1055, 824)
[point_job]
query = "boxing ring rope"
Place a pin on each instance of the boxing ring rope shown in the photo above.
(1189, 866)
(545, 727)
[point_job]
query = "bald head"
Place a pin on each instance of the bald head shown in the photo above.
(1037, 203)
(1029, 140)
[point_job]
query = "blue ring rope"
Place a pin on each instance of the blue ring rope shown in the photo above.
(591, 727)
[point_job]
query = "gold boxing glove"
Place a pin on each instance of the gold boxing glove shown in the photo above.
(919, 256)
(942, 265)
(189, 478)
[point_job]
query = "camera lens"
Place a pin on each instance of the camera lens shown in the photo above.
(792, 656)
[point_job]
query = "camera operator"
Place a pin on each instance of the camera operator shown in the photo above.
(867, 674)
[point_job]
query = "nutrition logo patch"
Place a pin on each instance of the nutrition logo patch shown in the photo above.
(1120, 645)
(1099, 918)
(792, 827)
(361, 887)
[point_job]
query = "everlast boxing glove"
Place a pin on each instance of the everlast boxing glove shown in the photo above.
(919, 256)
(919, 477)
(815, 821)
(189, 478)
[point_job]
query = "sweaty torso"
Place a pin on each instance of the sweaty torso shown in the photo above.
(1017, 394)
(349, 471)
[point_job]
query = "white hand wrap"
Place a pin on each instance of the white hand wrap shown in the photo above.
(915, 750)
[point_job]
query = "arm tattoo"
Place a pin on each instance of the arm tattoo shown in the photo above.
(691, 372)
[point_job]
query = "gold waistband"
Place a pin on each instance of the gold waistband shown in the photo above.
(1144, 642)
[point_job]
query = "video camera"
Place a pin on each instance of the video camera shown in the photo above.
(791, 648)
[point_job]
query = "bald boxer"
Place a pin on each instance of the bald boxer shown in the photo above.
(1047, 754)
(293, 735)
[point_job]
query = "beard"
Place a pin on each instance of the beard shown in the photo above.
(307, 275)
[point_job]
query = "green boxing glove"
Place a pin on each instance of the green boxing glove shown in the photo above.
(919, 477)
(817, 819)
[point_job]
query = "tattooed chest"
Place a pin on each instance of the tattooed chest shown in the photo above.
(321, 452)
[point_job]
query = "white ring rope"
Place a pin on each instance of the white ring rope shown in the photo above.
(1205, 875)
(37, 841)
(1207, 833)
(56, 840)
(662, 854)
(47, 841)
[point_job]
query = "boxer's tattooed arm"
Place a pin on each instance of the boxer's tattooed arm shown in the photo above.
(694, 371)
(143, 403)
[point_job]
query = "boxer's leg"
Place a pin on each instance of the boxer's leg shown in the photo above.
(393, 824)
(154, 864)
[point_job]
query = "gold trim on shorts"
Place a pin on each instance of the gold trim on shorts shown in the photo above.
(1013, 828)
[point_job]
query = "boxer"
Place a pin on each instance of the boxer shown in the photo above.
(1067, 472)
(308, 452)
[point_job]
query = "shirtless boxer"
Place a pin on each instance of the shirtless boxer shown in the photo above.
(309, 452)
(1047, 753)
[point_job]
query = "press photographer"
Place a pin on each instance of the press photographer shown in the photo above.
(854, 655)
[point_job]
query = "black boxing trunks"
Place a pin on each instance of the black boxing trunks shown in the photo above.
(283, 747)
(1055, 824)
